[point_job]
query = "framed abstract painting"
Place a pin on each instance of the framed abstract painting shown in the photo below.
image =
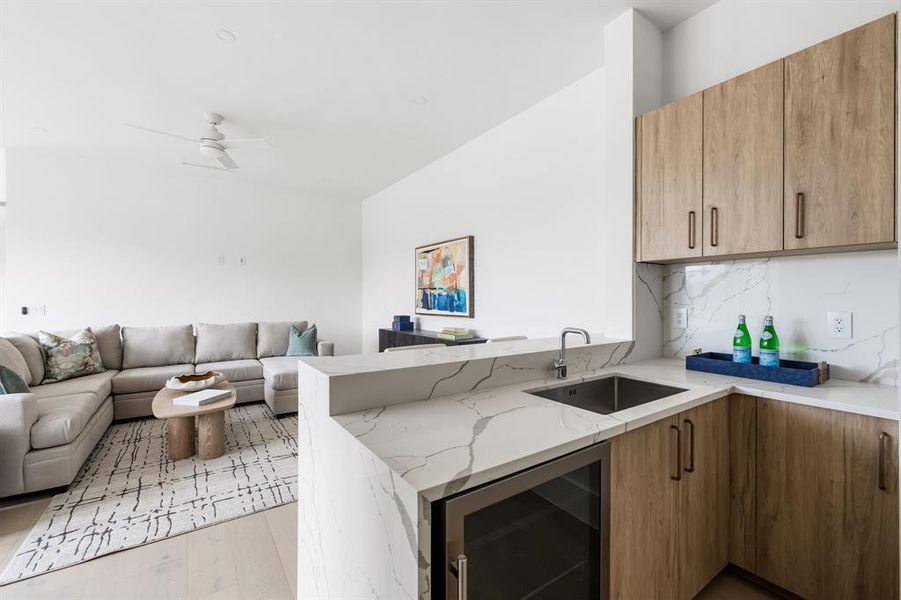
(444, 278)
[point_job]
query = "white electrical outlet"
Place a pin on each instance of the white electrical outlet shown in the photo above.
(679, 318)
(838, 325)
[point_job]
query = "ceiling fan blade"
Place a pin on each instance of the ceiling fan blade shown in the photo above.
(175, 135)
(226, 161)
(187, 164)
(244, 140)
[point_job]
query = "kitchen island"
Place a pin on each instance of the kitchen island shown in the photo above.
(383, 437)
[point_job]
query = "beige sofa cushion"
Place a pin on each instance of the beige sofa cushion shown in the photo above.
(247, 369)
(234, 341)
(280, 372)
(62, 418)
(12, 359)
(157, 346)
(272, 337)
(99, 384)
(31, 351)
(147, 379)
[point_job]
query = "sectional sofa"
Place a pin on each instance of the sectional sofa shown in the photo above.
(46, 435)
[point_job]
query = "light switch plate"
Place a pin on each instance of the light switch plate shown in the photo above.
(839, 325)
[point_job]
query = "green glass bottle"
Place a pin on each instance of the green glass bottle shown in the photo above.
(769, 344)
(741, 342)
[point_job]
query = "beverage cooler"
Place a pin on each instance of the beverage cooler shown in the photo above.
(542, 533)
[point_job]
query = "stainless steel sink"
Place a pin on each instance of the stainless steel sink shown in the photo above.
(609, 394)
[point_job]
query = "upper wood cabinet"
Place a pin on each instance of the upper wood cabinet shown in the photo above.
(796, 156)
(840, 140)
(827, 502)
(669, 181)
(743, 163)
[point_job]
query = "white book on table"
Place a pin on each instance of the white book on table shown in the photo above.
(200, 398)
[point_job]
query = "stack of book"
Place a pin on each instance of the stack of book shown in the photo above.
(456, 333)
(402, 323)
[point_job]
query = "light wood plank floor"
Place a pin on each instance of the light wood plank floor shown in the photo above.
(251, 557)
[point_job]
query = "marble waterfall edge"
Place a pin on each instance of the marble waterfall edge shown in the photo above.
(363, 530)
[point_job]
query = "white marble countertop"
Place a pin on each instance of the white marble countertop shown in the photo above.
(443, 445)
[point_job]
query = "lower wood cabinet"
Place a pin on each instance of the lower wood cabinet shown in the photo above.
(669, 508)
(827, 502)
(805, 498)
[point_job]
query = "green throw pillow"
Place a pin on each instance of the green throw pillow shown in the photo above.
(302, 343)
(68, 358)
(11, 383)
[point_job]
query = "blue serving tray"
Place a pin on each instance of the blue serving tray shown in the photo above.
(792, 372)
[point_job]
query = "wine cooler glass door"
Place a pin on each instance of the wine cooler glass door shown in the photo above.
(539, 534)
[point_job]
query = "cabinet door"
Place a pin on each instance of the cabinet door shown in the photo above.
(669, 181)
(840, 140)
(825, 528)
(704, 511)
(743, 481)
(743, 163)
(643, 512)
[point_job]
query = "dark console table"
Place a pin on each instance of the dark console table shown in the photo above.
(388, 338)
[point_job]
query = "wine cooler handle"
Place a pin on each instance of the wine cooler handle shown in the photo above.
(690, 467)
(883, 438)
(458, 570)
(678, 453)
(799, 215)
(714, 227)
(691, 229)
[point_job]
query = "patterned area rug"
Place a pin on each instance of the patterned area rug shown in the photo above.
(128, 492)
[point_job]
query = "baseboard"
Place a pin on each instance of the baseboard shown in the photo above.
(761, 582)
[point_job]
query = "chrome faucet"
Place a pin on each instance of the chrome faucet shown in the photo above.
(560, 362)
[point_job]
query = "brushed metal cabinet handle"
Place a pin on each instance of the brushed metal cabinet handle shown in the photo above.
(690, 468)
(883, 438)
(458, 570)
(799, 215)
(714, 227)
(691, 229)
(677, 453)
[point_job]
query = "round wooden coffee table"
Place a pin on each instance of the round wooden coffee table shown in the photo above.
(180, 423)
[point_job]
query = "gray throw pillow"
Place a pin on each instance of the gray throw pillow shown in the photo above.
(302, 343)
(72, 357)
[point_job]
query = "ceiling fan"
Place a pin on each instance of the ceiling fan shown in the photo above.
(213, 143)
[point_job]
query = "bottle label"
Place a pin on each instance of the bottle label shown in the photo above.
(741, 354)
(738, 333)
(769, 358)
(766, 335)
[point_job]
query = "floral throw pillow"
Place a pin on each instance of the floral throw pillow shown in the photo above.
(68, 358)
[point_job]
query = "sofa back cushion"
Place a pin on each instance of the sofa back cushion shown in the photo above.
(225, 342)
(12, 359)
(31, 351)
(272, 339)
(157, 346)
(109, 342)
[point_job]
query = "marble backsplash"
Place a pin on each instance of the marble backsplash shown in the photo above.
(798, 291)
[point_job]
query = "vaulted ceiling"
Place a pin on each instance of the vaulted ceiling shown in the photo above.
(351, 95)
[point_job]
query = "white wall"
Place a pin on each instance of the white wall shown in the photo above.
(531, 191)
(734, 36)
(727, 39)
(99, 238)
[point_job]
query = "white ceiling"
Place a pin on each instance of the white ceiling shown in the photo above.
(331, 85)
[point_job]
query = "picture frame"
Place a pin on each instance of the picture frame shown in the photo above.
(444, 278)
